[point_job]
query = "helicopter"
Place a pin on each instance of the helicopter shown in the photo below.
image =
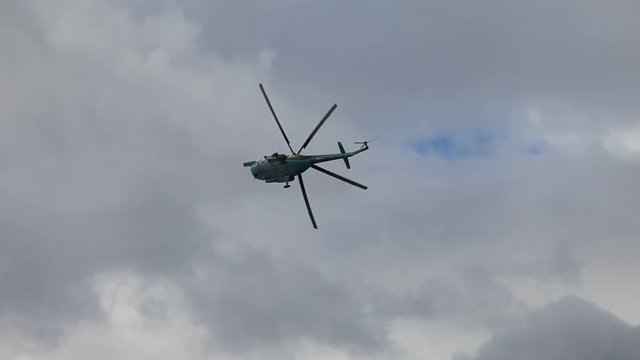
(284, 168)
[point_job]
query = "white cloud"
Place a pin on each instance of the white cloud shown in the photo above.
(624, 143)
(142, 319)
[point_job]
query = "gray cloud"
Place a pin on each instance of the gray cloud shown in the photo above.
(113, 177)
(570, 328)
(124, 127)
(470, 298)
(423, 60)
(258, 300)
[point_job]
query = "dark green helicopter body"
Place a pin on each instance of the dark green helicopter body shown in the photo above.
(281, 168)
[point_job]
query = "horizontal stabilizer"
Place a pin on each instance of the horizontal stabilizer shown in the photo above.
(346, 160)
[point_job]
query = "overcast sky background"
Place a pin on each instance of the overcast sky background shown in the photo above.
(500, 221)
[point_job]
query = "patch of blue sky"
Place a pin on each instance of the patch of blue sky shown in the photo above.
(458, 146)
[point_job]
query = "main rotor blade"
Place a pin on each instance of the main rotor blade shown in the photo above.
(322, 170)
(306, 201)
(318, 127)
(276, 117)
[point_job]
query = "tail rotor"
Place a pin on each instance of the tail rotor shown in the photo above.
(365, 143)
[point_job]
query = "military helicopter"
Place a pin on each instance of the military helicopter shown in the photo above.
(282, 168)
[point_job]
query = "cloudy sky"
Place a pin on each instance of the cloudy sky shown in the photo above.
(500, 220)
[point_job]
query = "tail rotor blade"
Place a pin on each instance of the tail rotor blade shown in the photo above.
(306, 202)
(276, 117)
(318, 127)
(339, 177)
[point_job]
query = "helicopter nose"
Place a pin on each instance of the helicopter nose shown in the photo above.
(255, 172)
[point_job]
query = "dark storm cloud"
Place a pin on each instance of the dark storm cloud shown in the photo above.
(570, 328)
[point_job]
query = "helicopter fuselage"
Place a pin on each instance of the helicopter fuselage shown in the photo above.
(273, 169)
(283, 168)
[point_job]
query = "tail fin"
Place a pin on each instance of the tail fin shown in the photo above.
(346, 160)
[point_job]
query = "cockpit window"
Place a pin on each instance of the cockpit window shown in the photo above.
(274, 157)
